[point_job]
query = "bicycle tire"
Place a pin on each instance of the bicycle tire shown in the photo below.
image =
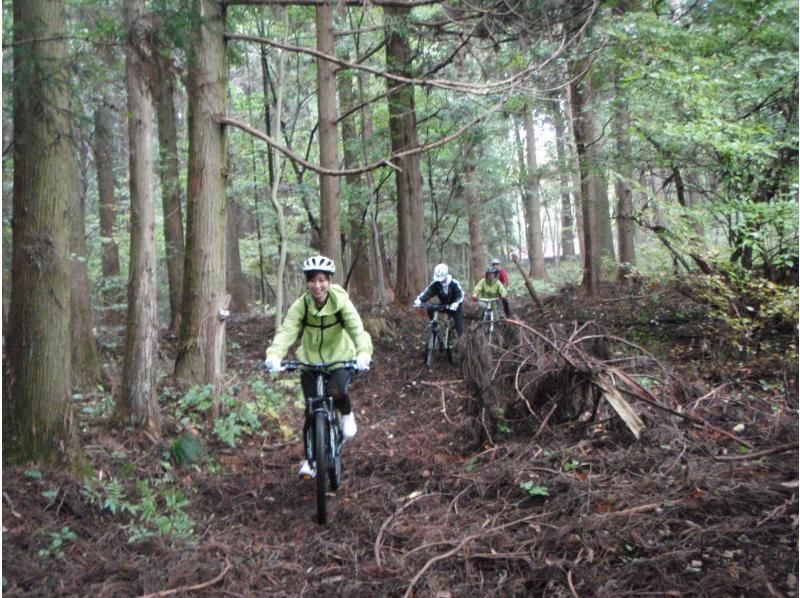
(431, 349)
(321, 462)
(334, 455)
(448, 349)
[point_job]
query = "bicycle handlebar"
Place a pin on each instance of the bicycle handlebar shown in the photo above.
(434, 306)
(488, 301)
(291, 365)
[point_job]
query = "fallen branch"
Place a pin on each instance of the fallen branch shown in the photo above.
(198, 586)
(758, 454)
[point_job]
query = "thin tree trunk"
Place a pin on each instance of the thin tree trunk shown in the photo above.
(236, 284)
(37, 413)
(359, 247)
(328, 140)
(412, 268)
(583, 132)
(622, 188)
(567, 232)
(600, 193)
(85, 363)
(138, 405)
(477, 259)
(112, 296)
(170, 188)
(534, 207)
(201, 347)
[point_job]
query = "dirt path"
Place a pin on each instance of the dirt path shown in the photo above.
(570, 513)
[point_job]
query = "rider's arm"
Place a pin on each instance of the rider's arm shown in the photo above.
(458, 292)
(287, 332)
(426, 294)
(478, 290)
(355, 328)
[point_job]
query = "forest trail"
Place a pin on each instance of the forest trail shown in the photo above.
(542, 510)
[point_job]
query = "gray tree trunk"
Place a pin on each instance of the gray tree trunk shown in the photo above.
(171, 196)
(37, 413)
(567, 230)
(201, 346)
(477, 258)
(412, 268)
(535, 241)
(138, 404)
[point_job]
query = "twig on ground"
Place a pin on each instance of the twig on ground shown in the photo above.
(198, 586)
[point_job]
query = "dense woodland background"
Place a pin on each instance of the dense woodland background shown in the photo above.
(164, 161)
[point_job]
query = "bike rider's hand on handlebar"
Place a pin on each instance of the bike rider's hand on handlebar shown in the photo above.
(417, 303)
(272, 364)
(362, 361)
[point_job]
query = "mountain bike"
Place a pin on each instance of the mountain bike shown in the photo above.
(439, 338)
(322, 431)
(489, 315)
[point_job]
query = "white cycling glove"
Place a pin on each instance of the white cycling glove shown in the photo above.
(417, 303)
(272, 363)
(363, 360)
(453, 306)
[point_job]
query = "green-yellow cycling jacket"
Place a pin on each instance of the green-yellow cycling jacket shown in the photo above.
(489, 290)
(333, 332)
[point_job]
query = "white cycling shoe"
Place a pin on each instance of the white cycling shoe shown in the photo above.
(349, 427)
(306, 471)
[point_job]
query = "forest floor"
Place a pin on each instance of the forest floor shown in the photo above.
(451, 488)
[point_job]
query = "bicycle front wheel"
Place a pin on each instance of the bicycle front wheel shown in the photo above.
(321, 461)
(431, 349)
(335, 454)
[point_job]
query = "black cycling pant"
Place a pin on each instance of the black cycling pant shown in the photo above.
(336, 387)
(506, 307)
(457, 315)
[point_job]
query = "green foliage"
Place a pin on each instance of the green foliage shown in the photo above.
(158, 510)
(534, 489)
(57, 541)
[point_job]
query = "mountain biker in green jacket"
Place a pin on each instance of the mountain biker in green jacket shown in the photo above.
(330, 329)
(489, 287)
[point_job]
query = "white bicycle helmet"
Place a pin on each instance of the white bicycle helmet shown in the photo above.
(440, 272)
(319, 263)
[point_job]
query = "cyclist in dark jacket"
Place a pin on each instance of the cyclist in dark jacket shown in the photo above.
(449, 292)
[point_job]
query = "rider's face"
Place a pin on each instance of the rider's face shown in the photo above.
(318, 286)
(490, 276)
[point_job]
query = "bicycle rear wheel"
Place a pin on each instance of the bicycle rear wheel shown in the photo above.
(321, 462)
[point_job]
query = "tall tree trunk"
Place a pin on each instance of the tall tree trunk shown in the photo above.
(535, 240)
(622, 188)
(37, 414)
(582, 129)
(412, 268)
(567, 232)
(359, 247)
(85, 363)
(138, 404)
(577, 192)
(201, 346)
(328, 140)
(477, 259)
(106, 186)
(600, 193)
(169, 170)
(236, 285)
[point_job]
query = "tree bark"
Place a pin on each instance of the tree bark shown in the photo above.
(328, 141)
(567, 231)
(169, 170)
(583, 132)
(85, 363)
(535, 249)
(37, 413)
(477, 258)
(412, 268)
(600, 193)
(236, 284)
(138, 404)
(200, 356)
(112, 296)
(622, 188)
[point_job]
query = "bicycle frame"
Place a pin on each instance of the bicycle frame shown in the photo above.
(322, 433)
(438, 340)
(489, 314)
